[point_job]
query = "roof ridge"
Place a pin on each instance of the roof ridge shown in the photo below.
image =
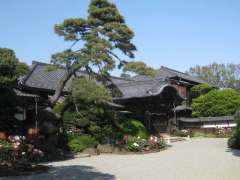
(140, 82)
(173, 70)
(39, 63)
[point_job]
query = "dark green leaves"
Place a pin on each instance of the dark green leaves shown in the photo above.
(10, 67)
(83, 90)
(71, 29)
(217, 103)
(102, 12)
(201, 89)
(103, 32)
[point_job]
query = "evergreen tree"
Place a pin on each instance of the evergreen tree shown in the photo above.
(8, 64)
(10, 67)
(137, 67)
(103, 36)
(10, 70)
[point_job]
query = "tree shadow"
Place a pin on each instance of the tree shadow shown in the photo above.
(235, 152)
(75, 172)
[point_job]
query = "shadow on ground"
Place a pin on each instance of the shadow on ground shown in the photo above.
(235, 152)
(67, 173)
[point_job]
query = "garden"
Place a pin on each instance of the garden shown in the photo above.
(85, 120)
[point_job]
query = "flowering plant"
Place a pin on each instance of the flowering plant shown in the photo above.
(16, 149)
(137, 144)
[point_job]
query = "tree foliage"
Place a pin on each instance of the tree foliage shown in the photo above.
(22, 69)
(219, 75)
(10, 70)
(87, 109)
(8, 63)
(137, 67)
(101, 38)
(234, 140)
(216, 103)
(201, 89)
(10, 67)
(87, 91)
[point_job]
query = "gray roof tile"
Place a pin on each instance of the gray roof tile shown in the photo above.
(40, 78)
(165, 73)
(143, 86)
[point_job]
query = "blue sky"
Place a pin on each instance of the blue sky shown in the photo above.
(174, 33)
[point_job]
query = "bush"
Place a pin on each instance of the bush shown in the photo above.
(201, 89)
(72, 120)
(79, 143)
(234, 140)
(216, 103)
(102, 134)
(133, 127)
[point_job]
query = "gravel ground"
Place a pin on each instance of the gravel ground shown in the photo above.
(195, 159)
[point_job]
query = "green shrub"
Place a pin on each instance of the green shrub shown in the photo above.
(133, 127)
(200, 89)
(102, 133)
(217, 103)
(59, 107)
(79, 143)
(234, 140)
(73, 120)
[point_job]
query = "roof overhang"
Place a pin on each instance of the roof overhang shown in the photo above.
(167, 88)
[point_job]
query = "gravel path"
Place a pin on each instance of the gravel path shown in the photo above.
(196, 159)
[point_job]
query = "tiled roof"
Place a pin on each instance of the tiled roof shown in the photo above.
(119, 80)
(48, 80)
(173, 73)
(40, 78)
(165, 73)
(147, 88)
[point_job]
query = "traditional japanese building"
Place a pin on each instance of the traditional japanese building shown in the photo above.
(157, 101)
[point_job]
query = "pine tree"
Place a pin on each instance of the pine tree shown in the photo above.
(102, 36)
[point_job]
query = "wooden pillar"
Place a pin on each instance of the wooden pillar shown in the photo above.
(147, 120)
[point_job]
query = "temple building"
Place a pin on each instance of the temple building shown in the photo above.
(157, 101)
